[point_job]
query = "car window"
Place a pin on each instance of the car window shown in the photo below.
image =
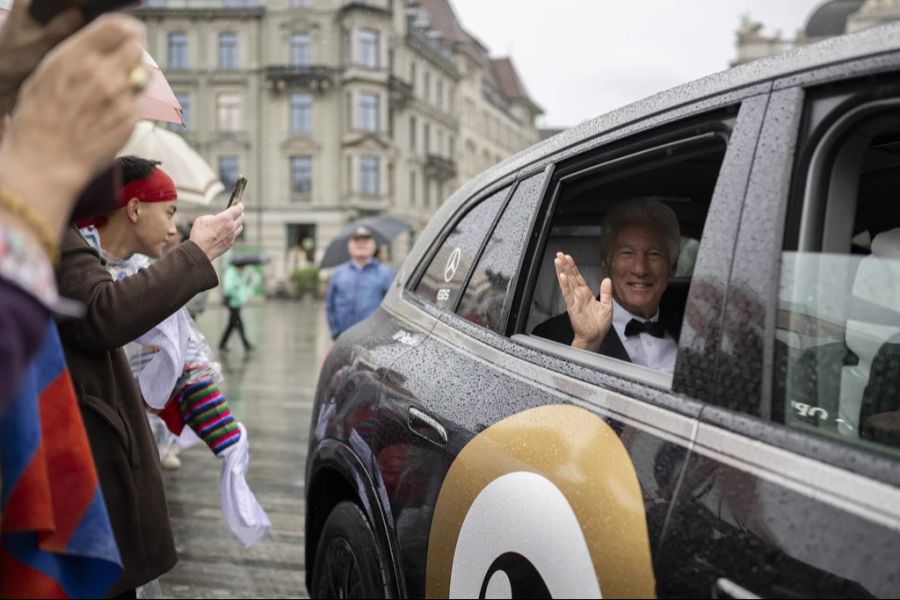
(485, 298)
(674, 181)
(445, 276)
(837, 346)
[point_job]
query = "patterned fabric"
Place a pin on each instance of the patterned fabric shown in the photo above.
(23, 262)
(204, 409)
(56, 539)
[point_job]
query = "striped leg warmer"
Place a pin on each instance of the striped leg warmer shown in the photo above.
(204, 408)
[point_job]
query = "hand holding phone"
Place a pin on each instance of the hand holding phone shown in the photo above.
(238, 191)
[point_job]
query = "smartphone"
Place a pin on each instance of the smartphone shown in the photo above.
(238, 191)
(43, 11)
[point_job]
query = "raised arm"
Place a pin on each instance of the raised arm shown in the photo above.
(119, 312)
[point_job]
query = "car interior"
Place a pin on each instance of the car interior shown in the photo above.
(840, 336)
(681, 175)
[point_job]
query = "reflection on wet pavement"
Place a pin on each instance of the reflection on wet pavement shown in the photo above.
(271, 392)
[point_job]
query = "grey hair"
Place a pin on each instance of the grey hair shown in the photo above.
(645, 211)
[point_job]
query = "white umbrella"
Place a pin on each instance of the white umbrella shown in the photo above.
(194, 178)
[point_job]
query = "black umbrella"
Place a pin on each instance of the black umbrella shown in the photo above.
(250, 258)
(383, 229)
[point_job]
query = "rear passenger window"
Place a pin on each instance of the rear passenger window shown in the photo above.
(837, 350)
(484, 302)
(442, 282)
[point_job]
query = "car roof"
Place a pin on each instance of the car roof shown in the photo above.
(870, 42)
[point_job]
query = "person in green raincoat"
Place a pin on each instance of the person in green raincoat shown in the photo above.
(237, 287)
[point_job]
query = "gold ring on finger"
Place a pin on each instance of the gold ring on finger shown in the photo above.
(138, 78)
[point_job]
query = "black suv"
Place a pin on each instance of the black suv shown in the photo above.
(456, 453)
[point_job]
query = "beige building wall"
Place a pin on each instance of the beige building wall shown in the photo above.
(431, 110)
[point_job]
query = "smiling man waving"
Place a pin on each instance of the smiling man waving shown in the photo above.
(640, 245)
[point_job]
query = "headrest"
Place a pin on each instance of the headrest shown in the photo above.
(874, 317)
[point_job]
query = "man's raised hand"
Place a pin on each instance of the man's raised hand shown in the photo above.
(591, 318)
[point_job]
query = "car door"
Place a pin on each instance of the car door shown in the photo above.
(534, 468)
(792, 488)
(413, 449)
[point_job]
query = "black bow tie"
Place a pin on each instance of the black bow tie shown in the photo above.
(654, 328)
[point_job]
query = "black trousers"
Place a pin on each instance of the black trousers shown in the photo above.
(234, 322)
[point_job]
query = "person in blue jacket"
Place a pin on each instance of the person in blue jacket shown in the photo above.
(357, 286)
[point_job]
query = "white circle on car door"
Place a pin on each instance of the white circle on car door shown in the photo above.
(519, 534)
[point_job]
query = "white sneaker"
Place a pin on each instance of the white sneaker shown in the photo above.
(170, 461)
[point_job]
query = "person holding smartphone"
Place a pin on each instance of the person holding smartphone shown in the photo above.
(118, 311)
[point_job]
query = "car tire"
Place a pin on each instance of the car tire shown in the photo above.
(349, 561)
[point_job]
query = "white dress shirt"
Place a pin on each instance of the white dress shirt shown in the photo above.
(645, 349)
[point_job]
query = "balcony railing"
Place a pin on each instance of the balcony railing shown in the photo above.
(439, 167)
(370, 7)
(401, 91)
(315, 77)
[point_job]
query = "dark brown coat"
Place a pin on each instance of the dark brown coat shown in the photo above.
(111, 403)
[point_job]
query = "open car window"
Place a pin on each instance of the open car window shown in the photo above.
(680, 174)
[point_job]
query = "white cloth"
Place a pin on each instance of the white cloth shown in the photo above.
(159, 363)
(244, 516)
(645, 349)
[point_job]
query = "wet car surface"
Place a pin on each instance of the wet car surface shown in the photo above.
(454, 452)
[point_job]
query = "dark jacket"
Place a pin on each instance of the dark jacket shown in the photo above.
(559, 329)
(110, 400)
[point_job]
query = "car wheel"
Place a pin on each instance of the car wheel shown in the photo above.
(349, 561)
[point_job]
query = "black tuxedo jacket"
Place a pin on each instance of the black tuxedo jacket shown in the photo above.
(559, 329)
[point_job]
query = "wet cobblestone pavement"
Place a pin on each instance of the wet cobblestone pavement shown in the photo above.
(271, 392)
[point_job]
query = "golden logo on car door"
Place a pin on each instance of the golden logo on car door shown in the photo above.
(546, 502)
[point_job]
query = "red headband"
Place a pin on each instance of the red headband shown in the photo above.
(155, 187)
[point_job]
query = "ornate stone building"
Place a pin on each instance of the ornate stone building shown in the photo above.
(336, 109)
(829, 19)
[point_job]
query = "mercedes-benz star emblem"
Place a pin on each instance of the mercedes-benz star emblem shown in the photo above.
(452, 265)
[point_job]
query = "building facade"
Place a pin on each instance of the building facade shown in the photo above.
(336, 109)
(829, 19)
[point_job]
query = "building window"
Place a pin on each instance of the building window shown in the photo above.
(440, 93)
(412, 133)
(228, 171)
(184, 100)
(301, 112)
(368, 175)
(427, 138)
(427, 87)
(452, 148)
(178, 49)
(368, 111)
(228, 50)
(369, 48)
(228, 112)
(412, 188)
(412, 76)
(301, 50)
(301, 175)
